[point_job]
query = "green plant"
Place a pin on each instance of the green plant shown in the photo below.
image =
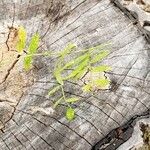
(83, 62)
(78, 67)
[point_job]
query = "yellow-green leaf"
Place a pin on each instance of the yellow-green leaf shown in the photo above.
(99, 56)
(101, 68)
(76, 61)
(72, 100)
(53, 90)
(58, 76)
(70, 114)
(27, 63)
(34, 43)
(101, 83)
(86, 88)
(22, 35)
(67, 49)
(81, 66)
(81, 73)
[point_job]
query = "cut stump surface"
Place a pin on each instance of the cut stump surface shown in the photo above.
(26, 120)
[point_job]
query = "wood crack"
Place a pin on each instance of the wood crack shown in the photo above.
(124, 132)
(9, 70)
(15, 107)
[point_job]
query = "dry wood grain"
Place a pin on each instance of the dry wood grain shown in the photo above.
(85, 23)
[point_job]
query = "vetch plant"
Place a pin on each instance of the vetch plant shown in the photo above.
(82, 67)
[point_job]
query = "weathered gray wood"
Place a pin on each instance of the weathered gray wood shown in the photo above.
(139, 140)
(85, 23)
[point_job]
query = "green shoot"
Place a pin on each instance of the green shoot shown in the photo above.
(80, 67)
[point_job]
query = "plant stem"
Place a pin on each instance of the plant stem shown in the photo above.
(63, 93)
(62, 89)
(57, 102)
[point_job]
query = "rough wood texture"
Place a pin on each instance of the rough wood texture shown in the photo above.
(140, 139)
(30, 122)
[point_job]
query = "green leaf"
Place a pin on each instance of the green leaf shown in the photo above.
(72, 100)
(57, 102)
(67, 50)
(58, 76)
(22, 35)
(34, 43)
(53, 90)
(70, 114)
(76, 61)
(27, 63)
(101, 83)
(86, 88)
(81, 73)
(99, 56)
(101, 68)
(81, 66)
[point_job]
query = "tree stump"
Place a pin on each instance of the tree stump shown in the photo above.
(26, 118)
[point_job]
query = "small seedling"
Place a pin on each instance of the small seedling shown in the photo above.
(82, 65)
